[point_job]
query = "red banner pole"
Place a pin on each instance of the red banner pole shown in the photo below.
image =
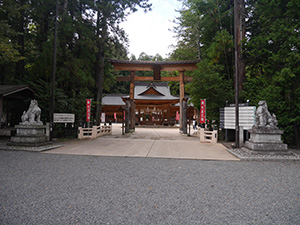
(88, 111)
(202, 111)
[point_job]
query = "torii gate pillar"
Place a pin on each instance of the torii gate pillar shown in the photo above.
(181, 94)
(132, 103)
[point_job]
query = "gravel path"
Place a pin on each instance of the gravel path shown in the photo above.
(40, 189)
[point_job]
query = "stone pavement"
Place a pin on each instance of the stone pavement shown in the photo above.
(147, 142)
(40, 189)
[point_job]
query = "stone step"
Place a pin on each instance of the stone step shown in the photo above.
(28, 139)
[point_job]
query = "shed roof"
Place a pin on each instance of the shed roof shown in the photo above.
(113, 99)
(12, 90)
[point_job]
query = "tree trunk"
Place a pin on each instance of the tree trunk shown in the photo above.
(65, 10)
(199, 49)
(297, 135)
(100, 61)
(240, 36)
(20, 65)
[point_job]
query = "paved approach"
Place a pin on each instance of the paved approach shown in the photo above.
(147, 142)
(38, 188)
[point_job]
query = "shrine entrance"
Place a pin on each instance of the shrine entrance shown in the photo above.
(162, 108)
(154, 104)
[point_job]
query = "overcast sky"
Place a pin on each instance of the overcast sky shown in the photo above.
(149, 32)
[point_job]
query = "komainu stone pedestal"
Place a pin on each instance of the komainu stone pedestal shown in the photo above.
(30, 138)
(29, 135)
(266, 139)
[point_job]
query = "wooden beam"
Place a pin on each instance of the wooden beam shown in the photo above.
(179, 67)
(129, 67)
(144, 79)
(156, 72)
(123, 78)
(148, 66)
(186, 78)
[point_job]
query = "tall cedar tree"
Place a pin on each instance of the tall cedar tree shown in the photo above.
(109, 15)
(273, 59)
(27, 32)
(205, 31)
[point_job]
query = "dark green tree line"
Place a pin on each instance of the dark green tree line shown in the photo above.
(271, 52)
(273, 61)
(88, 34)
(205, 32)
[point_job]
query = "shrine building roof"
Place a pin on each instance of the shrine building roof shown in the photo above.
(151, 91)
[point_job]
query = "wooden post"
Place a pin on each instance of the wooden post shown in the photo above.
(123, 122)
(181, 88)
(169, 115)
(139, 117)
(132, 104)
(241, 31)
(184, 115)
(160, 117)
(236, 45)
(1, 109)
(127, 116)
(52, 103)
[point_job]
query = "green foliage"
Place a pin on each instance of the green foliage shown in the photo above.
(271, 52)
(26, 48)
(208, 84)
(205, 32)
(197, 25)
(273, 60)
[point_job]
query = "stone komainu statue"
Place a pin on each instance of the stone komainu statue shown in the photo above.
(263, 117)
(33, 115)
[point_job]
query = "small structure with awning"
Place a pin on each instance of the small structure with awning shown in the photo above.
(10, 113)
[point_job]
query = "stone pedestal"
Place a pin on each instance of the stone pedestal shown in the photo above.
(29, 135)
(266, 139)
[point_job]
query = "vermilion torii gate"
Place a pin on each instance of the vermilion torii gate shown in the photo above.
(156, 67)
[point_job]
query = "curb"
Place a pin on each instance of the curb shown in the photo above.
(244, 155)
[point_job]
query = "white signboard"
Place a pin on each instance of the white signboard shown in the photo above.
(103, 117)
(64, 118)
(246, 117)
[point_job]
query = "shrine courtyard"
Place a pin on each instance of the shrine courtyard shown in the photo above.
(147, 142)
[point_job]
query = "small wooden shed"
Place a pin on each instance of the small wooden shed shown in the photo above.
(12, 100)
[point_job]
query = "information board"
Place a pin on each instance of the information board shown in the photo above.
(246, 117)
(63, 118)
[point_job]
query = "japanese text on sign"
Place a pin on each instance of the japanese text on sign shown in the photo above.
(202, 110)
(88, 110)
(63, 118)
